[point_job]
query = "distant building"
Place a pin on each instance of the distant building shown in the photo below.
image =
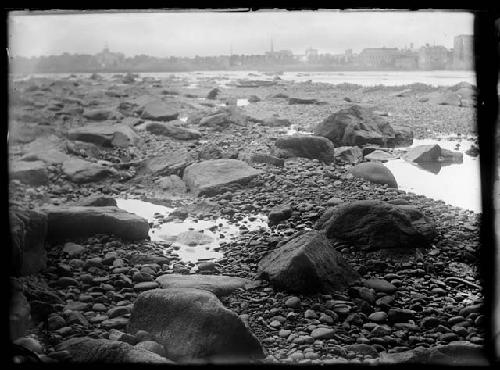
(378, 57)
(409, 62)
(432, 57)
(463, 56)
(311, 54)
(107, 59)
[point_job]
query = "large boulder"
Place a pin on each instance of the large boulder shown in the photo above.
(108, 135)
(32, 172)
(173, 129)
(192, 324)
(308, 146)
(158, 110)
(70, 222)
(378, 225)
(212, 176)
(28, 230)
(452, 354)
(359, 126)
(432, 154)
(85, 349)
(423, 153)
(374, 172)
(348, 154)
(165, 164)
(307, 264)
(83, 172)
(219, 285)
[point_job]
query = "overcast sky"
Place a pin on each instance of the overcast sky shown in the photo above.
(209, 33)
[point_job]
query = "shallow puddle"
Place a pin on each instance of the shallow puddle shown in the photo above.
(456, 184)
(193, 240)
(294, 129)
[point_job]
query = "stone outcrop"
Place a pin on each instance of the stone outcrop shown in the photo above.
(193, 324)
(452, 354)
(88, 350)
(31, 172)
(159, 110)
(374, 172)
(28, 231)
(71, 222)
(307, 146)
(165, 164)
(212, 176)
(348, 154)
(307, 264)
(107, 135)
(219, 285)
(173, 129)
(83, 172)
(378, 225)
(432, 154)
(359, 126)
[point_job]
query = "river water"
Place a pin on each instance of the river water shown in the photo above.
(455, 184)
(364, 78)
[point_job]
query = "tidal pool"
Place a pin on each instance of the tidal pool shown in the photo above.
(193, 240)
(458, 184)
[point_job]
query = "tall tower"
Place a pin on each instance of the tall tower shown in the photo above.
(272, 46)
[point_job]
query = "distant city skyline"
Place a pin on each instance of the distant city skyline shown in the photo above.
(187, 34)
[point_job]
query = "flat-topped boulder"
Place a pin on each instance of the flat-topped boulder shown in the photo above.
(358, 125)
(307, 146)
(374, 172)
(81, 172)
(192, 324)
(307, 264)
(379, 156)
(29, 172)
(173, 129)
(159, 110)
(166, 164)
(220, 285)
(378, 225)
(107, 135)
(212, 176)
(70, 222)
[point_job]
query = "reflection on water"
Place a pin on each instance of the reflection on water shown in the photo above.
(182, 234)
(456, 184)
(242, 102)
(294, 129)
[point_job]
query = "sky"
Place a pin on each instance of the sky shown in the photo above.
(187, 34)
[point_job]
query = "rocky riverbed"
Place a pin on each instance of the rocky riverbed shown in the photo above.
(91, 284)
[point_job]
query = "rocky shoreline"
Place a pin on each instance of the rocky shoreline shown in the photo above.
(77, 143)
